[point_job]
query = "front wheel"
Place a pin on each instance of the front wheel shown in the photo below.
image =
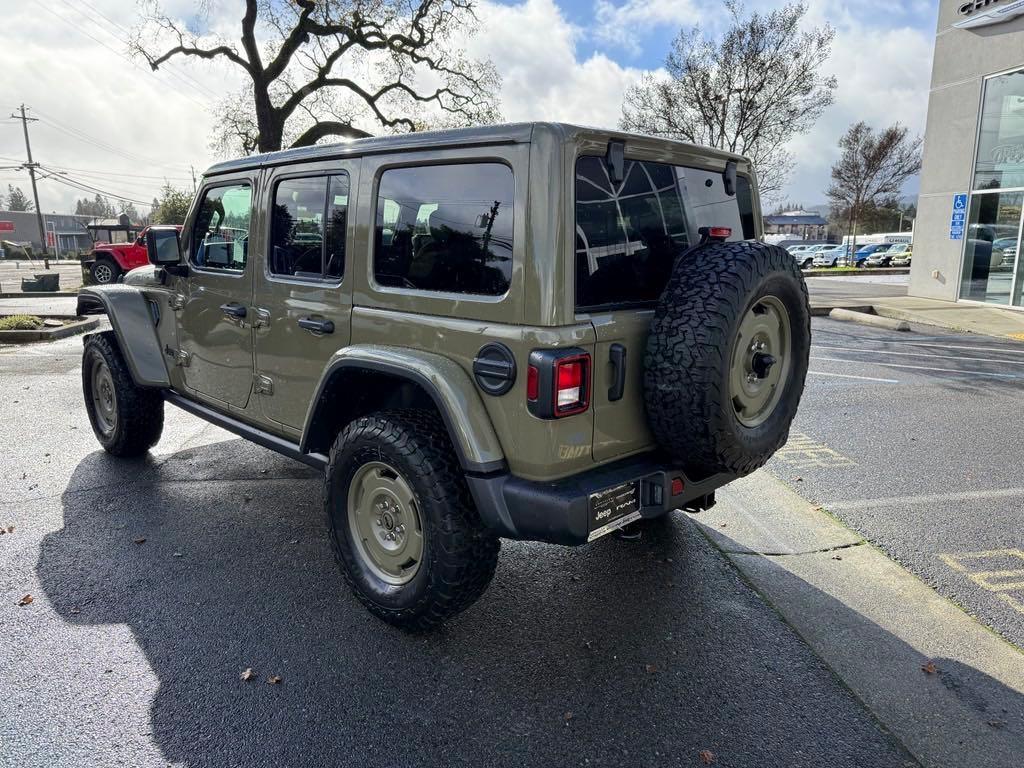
(401, 521)
(126, 419)
(104, 272)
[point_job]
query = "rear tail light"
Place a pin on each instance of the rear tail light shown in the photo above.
(572, 385)
(558, 382)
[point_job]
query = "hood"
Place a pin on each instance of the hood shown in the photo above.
(109, 246)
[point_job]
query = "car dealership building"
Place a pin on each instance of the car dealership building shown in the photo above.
(967, 234)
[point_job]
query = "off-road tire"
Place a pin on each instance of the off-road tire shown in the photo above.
(104, 271)
(139, 411)
(690, 352)
(459, 552)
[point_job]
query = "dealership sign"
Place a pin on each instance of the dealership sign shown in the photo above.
(6, 226)
(981, 13)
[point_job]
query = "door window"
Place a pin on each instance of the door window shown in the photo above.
(445, 228)
(221, 234)
(308, 226)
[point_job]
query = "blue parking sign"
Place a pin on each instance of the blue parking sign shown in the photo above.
(958, 219)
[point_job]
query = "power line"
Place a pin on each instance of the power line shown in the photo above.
(115, 51)
(93, 172)
(126, 31)
(82, 187)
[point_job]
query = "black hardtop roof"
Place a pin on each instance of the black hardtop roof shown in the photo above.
(509, 133)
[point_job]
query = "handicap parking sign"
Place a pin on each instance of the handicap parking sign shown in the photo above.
(958, 219)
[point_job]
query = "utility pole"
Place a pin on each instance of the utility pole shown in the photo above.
(193, 179)
(31, 166)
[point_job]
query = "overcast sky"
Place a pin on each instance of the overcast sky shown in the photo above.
(112, 124)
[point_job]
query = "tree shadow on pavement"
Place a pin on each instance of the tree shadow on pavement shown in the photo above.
(612, 654)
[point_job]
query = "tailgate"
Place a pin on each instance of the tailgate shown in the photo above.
(620, 425)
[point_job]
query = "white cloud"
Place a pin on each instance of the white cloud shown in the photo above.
(534, 49)
(625, 24)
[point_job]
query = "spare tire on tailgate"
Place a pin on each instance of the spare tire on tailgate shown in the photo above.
(727, 357)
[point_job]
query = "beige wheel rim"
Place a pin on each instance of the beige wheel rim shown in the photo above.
(384, 520)
(761, 362)
(104, 399)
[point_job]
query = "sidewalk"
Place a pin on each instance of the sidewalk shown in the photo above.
(989, 321)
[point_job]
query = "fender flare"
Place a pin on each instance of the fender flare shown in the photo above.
(132, 320)
(443, 380)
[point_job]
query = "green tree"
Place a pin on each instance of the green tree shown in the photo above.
(99, 207)
(18, 200)
(131, 212)
(172, 207)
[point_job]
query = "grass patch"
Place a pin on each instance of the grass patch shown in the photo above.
(20, 323)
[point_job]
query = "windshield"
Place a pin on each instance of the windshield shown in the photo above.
(628, 235)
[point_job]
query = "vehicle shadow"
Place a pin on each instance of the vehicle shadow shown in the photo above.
(612, 654)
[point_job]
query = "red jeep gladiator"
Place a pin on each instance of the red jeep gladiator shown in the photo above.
(108, 261)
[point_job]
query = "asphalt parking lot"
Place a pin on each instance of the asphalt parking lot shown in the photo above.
(913, 439)
(155, 583)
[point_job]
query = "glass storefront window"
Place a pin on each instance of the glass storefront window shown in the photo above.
(990, 252)
(1000, 163)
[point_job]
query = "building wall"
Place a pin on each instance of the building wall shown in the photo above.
(963, 58)
(26, 225)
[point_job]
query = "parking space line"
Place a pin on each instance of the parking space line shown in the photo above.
(803, 452)
(918, 343)
(923, 368)
(926, 498)
(929, 355)
(851, 376)
(999, 581)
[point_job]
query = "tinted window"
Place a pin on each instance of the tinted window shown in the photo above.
(627, 235)
(445, 228)
(221, 235)
(307, 234)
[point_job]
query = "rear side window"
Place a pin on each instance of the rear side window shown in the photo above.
(221, 234)
(629, 235)
(445, 228)
(308, 224)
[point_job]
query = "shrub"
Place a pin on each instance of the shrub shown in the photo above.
(20, 323)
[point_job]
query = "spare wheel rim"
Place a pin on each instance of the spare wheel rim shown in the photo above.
(761, 361)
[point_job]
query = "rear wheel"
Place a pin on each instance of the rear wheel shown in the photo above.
(126, 419)
(104, 271)
(727, 356)
(402, 524)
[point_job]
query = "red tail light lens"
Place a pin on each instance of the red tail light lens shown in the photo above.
(532, 383)
(572, 385)
(720, 232)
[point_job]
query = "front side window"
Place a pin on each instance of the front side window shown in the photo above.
(308, 225)
(445, 228)
(221, 234)
(628, 235)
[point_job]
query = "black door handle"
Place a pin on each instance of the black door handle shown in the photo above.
(233, 309)
(617, 357)
(316, 326)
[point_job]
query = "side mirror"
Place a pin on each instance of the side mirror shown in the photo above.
(163, 246)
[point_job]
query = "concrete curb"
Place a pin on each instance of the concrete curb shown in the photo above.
(833, 272)
(49, 334)
(947, 687)
(864, 318)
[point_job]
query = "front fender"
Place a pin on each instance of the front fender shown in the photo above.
(447, 384)
(132, 320)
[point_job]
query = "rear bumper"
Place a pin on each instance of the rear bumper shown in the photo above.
(559, 512)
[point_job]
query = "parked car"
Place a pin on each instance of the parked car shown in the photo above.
(803, 254)
(1007, 246)
(399, 345)
(879, 255)
(900, 254)
(109, 261)
(829, 256)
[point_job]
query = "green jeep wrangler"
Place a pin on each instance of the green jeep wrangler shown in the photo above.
(538, 331)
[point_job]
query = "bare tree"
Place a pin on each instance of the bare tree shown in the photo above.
(316, 68)
(871, 171)
(749, 91)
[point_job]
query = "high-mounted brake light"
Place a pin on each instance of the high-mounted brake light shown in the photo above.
(558, 382)
(722, 233)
